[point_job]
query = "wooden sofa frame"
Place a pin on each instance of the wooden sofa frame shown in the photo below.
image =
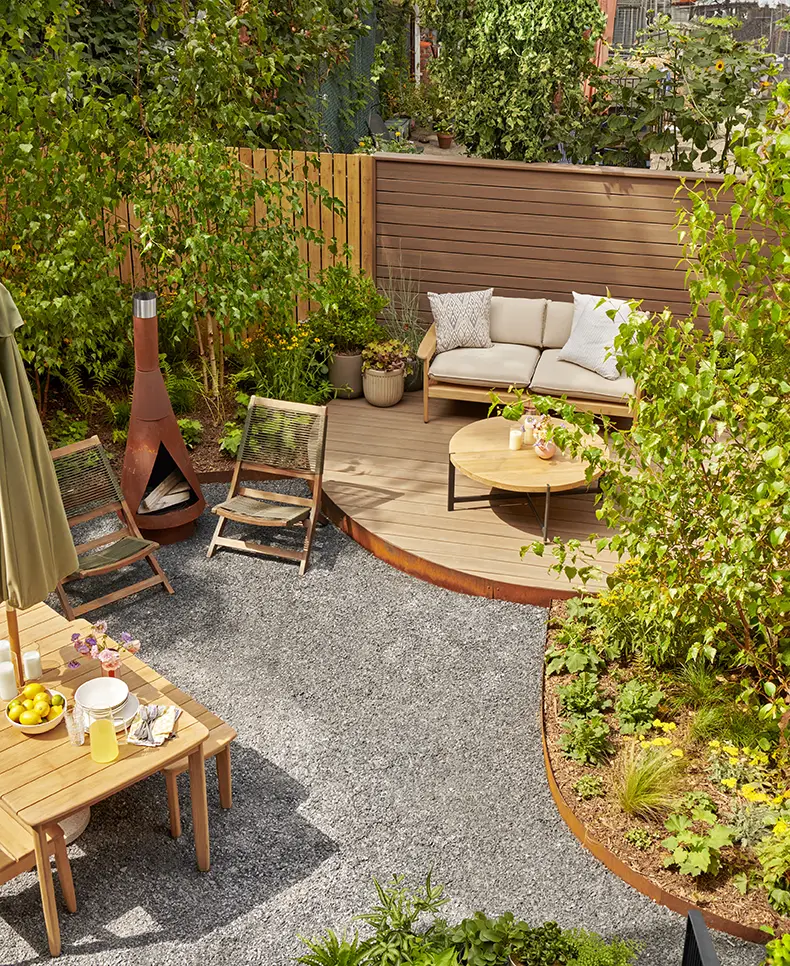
(431, 389)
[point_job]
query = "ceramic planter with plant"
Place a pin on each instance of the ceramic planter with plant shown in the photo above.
(345, 322)
(385, 366)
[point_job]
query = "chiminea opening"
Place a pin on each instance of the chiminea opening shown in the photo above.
(167, 486)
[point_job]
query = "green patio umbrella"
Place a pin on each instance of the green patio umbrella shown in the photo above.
(36, 548)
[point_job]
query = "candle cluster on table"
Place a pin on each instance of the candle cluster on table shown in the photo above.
(8, 688)
(31, 665)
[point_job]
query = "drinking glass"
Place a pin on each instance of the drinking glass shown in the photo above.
(104, 743)
(75, 725)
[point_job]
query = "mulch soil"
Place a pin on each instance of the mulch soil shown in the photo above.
(606, 822)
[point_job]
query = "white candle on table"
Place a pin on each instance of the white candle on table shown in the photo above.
(7, 681)
(5, 651)
(31, 662)
(516, 437)
(529, 434)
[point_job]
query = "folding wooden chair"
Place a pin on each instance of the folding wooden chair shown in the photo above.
(281, 439)
(89, 489)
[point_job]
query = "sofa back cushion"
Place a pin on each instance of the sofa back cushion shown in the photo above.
(559, 321)
(517, 321)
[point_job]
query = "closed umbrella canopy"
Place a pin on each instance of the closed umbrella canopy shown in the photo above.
(36, 548)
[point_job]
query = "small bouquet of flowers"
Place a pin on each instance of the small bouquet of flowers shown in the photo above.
(99, 646)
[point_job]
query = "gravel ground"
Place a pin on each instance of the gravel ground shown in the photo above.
(384, 725)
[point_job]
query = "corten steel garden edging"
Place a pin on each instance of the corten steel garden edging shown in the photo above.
(623, 871)
(417, 566)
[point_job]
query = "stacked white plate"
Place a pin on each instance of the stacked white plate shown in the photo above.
(99, 695)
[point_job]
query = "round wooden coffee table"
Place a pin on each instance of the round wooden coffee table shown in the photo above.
(481, 452)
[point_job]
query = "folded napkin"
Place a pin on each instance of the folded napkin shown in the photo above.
(153, 725)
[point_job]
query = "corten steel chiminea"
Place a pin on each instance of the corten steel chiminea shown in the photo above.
(158, 481)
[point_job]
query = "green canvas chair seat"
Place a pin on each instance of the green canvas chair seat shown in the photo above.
(280, 439)
(89, 489)
(123, 551)
(247, 508)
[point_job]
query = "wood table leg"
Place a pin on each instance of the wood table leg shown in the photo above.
(47, 887)
(197, 790)
(64, 871)
(173, 807)
(224, 777)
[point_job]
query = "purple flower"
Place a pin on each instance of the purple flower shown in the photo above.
(95, 652)
(125, 637)
(90, 639)
(73, 664)
(82, 647)
(75, 637)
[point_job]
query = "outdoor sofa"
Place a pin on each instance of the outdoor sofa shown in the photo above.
(527, 336)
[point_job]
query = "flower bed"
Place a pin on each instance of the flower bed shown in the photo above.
(704, 819)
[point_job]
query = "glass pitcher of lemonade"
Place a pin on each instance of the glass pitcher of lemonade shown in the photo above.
(104, 743)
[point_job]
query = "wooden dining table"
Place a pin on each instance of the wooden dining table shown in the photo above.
(44, 778)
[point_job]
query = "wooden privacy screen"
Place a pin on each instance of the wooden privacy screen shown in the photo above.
(531, 230)
(347, 177)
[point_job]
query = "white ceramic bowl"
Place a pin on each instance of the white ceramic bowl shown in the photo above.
(45, 726)
(98, 694)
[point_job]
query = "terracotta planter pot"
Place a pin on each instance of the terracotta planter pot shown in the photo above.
(383, 388)
(445, 140)
(345, 374)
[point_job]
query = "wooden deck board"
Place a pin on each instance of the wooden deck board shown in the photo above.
(386, 480)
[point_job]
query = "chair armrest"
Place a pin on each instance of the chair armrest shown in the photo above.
(427, 348)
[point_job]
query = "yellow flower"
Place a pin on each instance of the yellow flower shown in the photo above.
(714, 744)
(719, 65)
(781, 828)
(677, 752)
(728, 782)
(731, 750)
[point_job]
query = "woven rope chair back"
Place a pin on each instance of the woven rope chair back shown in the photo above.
(287, 438)
(86, 480)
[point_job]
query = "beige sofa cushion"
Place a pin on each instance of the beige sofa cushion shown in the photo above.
(517, 321)
(502, 365)
(556, 378)
(559, 321)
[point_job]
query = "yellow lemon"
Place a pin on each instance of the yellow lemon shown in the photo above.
(14, 713)
(41, 709)
(55, 712)
(29, 718)
(32, 689)
(57, 700)
(28, 704)
(16, 703)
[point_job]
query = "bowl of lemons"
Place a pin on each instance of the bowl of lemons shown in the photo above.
(36, 709)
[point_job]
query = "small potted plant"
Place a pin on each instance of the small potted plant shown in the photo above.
(544, 447)
(98, 645)
(385, 366)
(345, 322)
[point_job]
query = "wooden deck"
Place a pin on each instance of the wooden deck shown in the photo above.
(385, 481)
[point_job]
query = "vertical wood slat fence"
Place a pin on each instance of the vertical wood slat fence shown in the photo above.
(348, 178)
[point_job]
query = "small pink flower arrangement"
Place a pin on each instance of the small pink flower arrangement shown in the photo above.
(97, 645)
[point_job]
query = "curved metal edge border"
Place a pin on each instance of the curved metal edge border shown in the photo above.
(635, 879)
(417, 566)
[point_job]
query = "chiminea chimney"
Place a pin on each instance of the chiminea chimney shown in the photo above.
(158, 481)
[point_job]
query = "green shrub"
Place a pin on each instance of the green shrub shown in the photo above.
(593, 950)
(777, 951)
(588, 786)
(773, 854)
(749, 823)
(636, 706)
(582, 695)
(639, 837)
(333, 950)
(586, 740)
(645, 782)
(192, 432)
(572, 659)
(348, 304)
(696, 842)
(64, 429)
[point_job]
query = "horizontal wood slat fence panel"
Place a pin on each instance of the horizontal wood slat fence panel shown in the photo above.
(532, 230)
(348, 178)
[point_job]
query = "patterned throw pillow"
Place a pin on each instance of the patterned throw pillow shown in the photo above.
(463, 319)
(596, 322)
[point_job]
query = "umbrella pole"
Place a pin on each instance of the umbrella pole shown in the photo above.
(16, 650)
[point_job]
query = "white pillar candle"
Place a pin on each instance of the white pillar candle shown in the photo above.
(5, 651)
(31, 662)
(516, 438)
(529, 434)
(7, 681)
